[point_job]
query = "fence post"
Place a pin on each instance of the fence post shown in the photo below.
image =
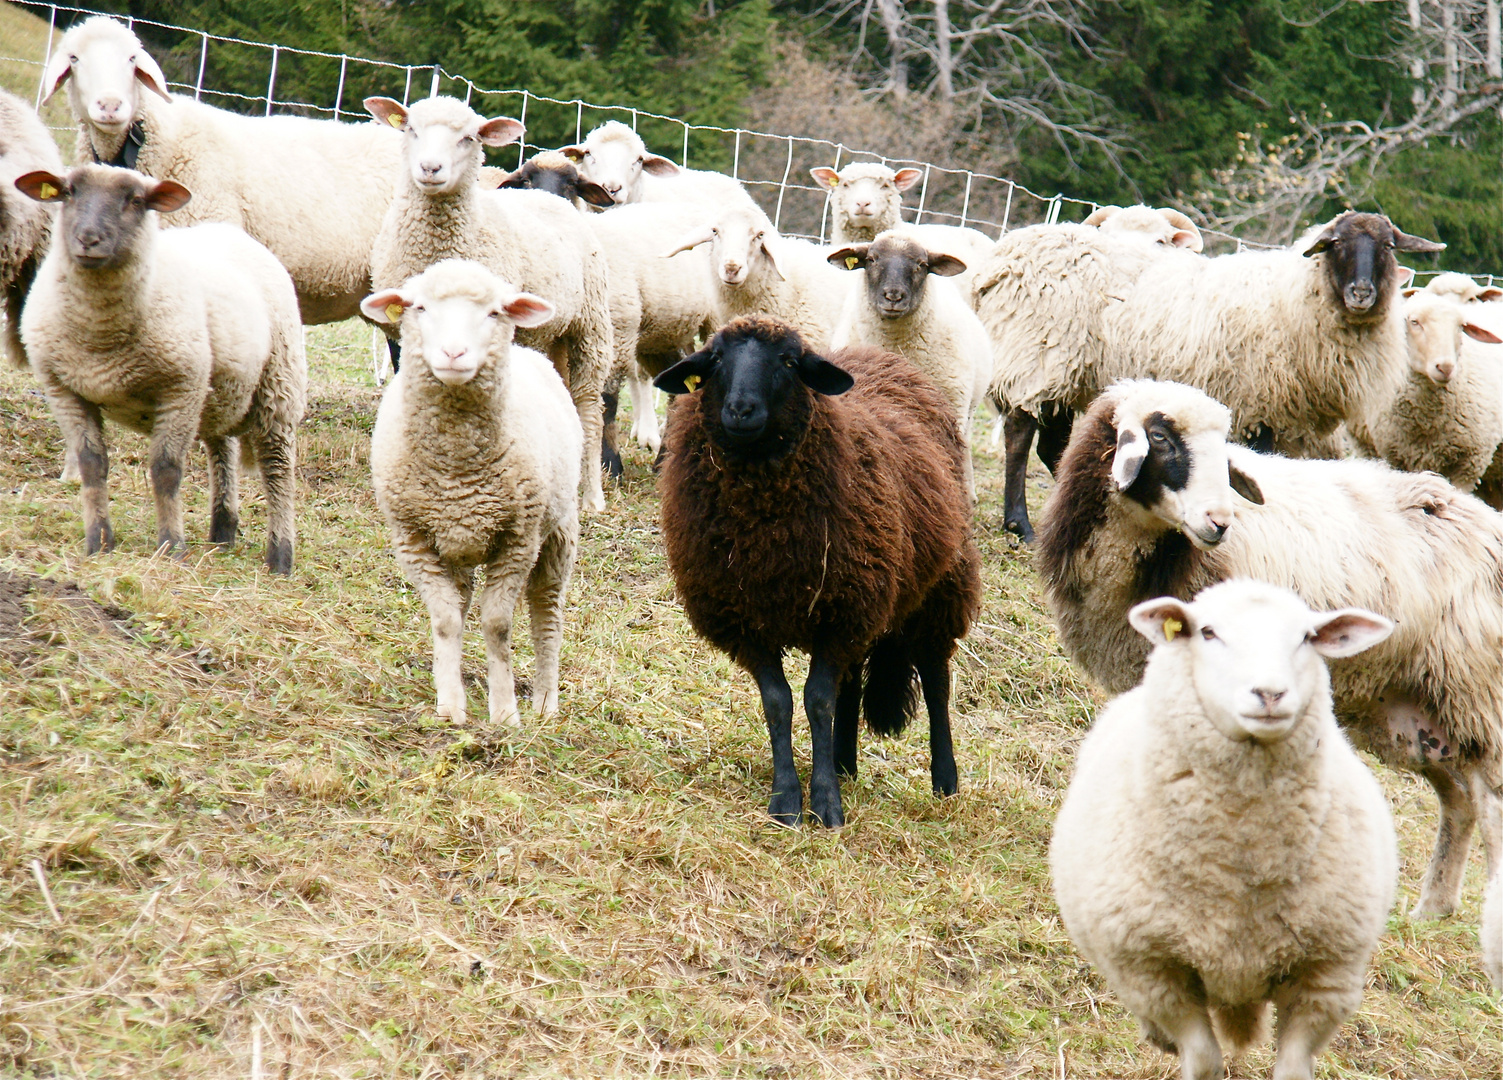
(522, 142)
(923, 196)
(271, 83)
(578, 120)
(47, 57)
(965, 205)
(1052, 217)
(339, 95)
(777, 218)
(203, 59)
(433, 87)
(1006, 210)
(685, 162)
(736, 159)
(407, 86)
(824, 211)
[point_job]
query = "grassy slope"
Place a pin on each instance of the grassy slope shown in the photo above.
(257, 834)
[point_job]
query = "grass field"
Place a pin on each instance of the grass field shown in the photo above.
(269, 859)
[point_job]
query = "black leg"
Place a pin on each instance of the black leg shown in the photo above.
(819, 706)
(1055, 423)
(1260, 438)
(935, 677)
(847, 723)
(1018, 428)
(394, 350)
(787, 803)
(610, 455)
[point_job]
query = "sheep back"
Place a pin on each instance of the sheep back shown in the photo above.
(25, 225)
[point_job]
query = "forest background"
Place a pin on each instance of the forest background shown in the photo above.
(1257, 116)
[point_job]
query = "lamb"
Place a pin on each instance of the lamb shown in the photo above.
(867, 199)
(1295, 341)
(527, 237)
(817, 504)
(475, 460)
(312, 191)
(754, 271)
(25, 227)
(1221, 845)
(902, 311)
(1448, 415)
(1150, 500)
(182, 334)
(615, 157)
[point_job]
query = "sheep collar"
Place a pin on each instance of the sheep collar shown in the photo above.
(130, 150)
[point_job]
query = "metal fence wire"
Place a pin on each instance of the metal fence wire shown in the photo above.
(773, 167)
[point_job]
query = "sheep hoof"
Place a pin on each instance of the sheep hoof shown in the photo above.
(1019, 528)
(223, 528)
(1429, 908)
(594, 502)
(543, 704)
(787, 808)
(452, 713)
(825, 807)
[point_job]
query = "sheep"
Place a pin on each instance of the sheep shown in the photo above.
(615, 157)
(1448, 415)
(1295, 340)
(475, 460)
(527, 237)
(817, 504)
(902, 311)
(755, 271)
(1221, 845)
(1492, 930)
(1150, 500)
(553, 172)
(312, 191)
(182, 334)
(1161, 224)
(25, 226)
(1461, 288)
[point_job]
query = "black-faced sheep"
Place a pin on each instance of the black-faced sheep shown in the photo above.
(817, 504)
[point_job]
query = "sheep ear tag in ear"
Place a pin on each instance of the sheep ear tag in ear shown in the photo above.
(685, 376)
(394, 120)
(691, 383)
(394, 312)
(1171, 628)
(46, 191)
(851, 262)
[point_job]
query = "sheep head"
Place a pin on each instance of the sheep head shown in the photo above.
(1359, 262)
(1255, 652)
(554, 173)
(758, 380)
(865, 194)
(103, 210)
(105, 65)
(1435, 325)
(1159, 225)
(444, 137)
(897, 271)
(743, 243)
(615, 157)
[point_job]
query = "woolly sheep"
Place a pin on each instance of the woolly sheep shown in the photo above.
(901, 310)
(1461, 288)
(1221, 845)
(182, 334)
(1295, 340)
(796, 518)
(25, 227)
(475, 460)
(526, 237)
(1447, 416)
(615, 157)
(312, 191)
(755, 271)
(1162, 225)
(1150, 500)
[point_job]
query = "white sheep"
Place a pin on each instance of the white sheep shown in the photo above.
(1447, 416)
(1461, 288)
(615, 157)
(1160, 224)
(1221, 846)
(755, 271)
(527, 237)
(1492, 930)
(183, 334)
(1150, 499)
(898, 308)
(25, 226)
(475, 460)
(312, 191)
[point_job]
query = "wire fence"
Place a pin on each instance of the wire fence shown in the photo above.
(773, 167)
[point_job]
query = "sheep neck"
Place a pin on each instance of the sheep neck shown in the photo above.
(446, 220)
(123, 149)
(125, 292)
(455, 424)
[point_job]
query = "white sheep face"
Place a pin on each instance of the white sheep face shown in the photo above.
(1256, 652)
(105, 67)
(614, 156)
(1435, 324)
(443, 139)
(867, 195)
(1163, 227)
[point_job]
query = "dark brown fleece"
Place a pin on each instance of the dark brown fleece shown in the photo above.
(839, 541)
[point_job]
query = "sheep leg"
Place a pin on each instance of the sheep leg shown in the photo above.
(820, 692)
(610, 451)
(967, 466)
(1055, 423)
(545, 603)
(848, 724)
(83, 429)
(1488, 805)
(224, 490)
(276, 452)
(173, 431)
(644, 413)
(505, 578)
(1019, 427)
(584, 382)
(1310, 1011)
(446, 595)
(1458, 816)
(787, 803)
(934, 676)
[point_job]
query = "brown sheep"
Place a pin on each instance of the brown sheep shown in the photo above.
(839, 525)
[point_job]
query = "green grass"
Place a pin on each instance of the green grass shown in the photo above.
(23, 44)
(257, 834)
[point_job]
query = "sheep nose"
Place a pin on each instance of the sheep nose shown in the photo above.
(108, 107)
(1212, 534)
(894, 296)
(454, 352)
(430, 168)
(612, 189)
(88, 238)
(1269, 698)
(1445, 369)
(1360, 295)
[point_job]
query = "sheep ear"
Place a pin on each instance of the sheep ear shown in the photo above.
(823, 377)
(1348, 632)
(573, 153)
(904, 179)
(1245, 485)
(692, 240)
(167, 196)
(658, 166)
(1489, 294)
(685, 376)
(594, 194)
(852, 257)
(58, 70)
(826, 177)
(1100, 214)
(1406, 276)
(945, 265)
(150, 75)
(1127, 462)
(1184, 238)
(385, 306)
(772, 258)
(1162, 620)
(1404, 242)
(500, 131)
(525, 309)
(1411, 290)
(1322, 242)
(1480, 333)
(43, 186)
(388, 111)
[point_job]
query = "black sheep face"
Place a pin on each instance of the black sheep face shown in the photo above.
(561, 179)
(758, 382)
(104, 209)
(1360, 263)
(897, 271)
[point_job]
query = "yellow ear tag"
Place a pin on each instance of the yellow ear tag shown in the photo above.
(691, 383)
(394, 119)
(47, 191)
(394, 312)
(851, 262)
(1172, 627)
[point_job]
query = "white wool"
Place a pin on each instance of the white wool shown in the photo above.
(615, 157)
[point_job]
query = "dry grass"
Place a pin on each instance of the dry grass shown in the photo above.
(266, 854)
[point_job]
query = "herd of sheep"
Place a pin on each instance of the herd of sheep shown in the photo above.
(1221, 846)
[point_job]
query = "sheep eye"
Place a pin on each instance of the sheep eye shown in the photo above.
(1159, 437)
(417, 307)
(759, 236)
(714, 232)
(72, 59)
(1207, 633)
